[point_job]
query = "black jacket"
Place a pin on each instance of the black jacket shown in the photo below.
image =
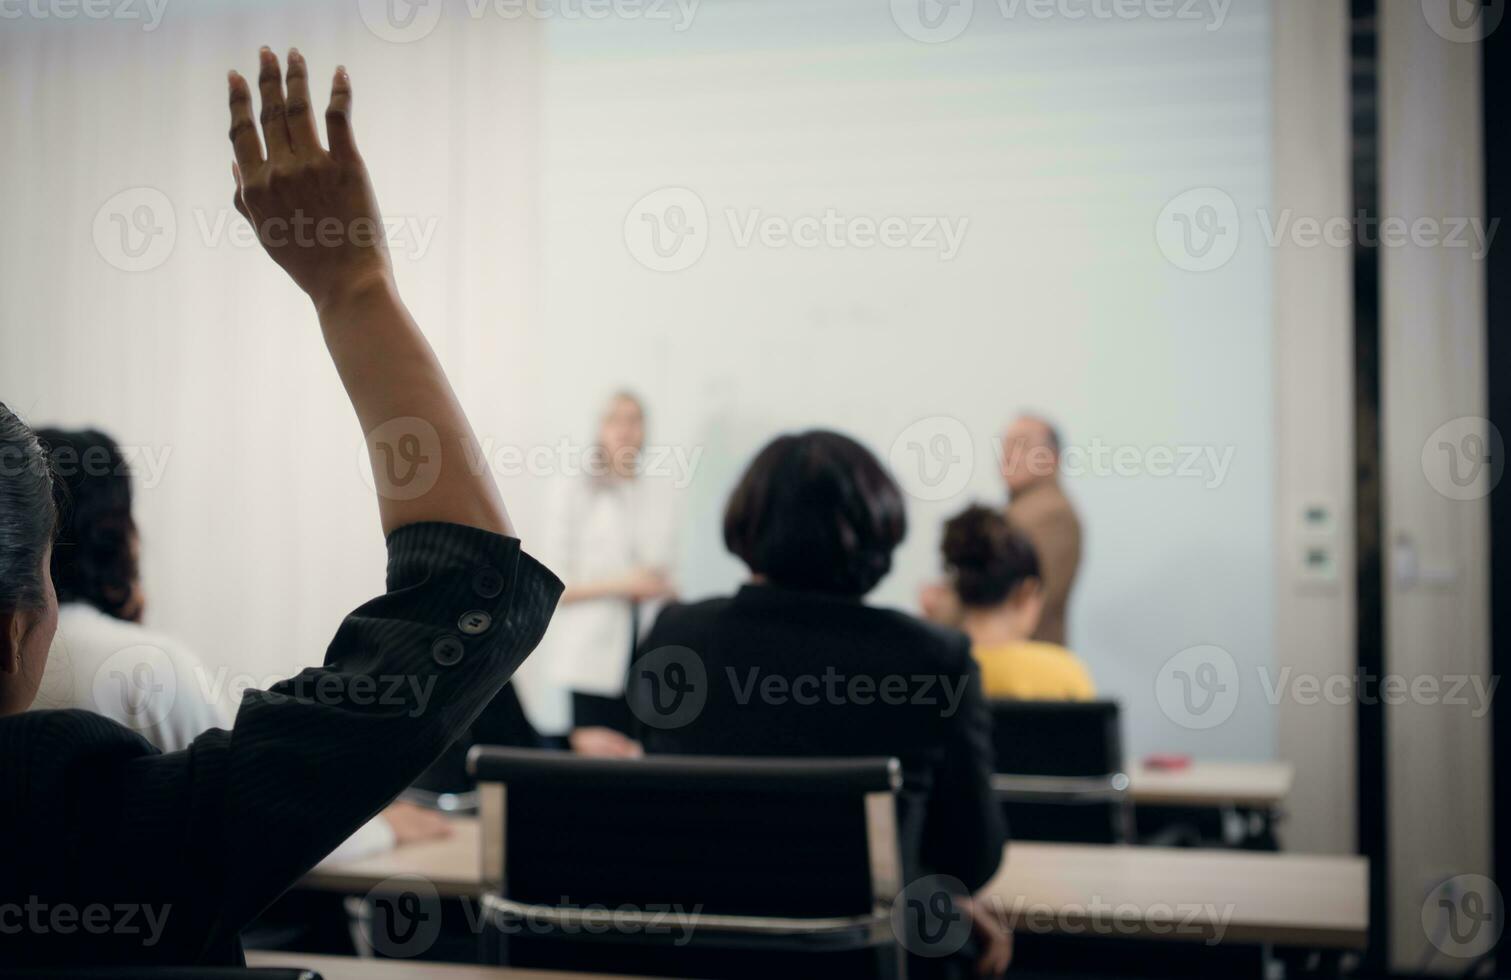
(799, 674)
(111, 852)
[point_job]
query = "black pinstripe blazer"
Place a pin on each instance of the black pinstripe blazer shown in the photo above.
(111, 852)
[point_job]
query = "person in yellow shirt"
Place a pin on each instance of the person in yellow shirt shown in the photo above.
(994, 573)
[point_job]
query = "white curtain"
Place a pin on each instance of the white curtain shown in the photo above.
(259, 531)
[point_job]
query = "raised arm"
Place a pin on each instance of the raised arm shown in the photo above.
(315, 213)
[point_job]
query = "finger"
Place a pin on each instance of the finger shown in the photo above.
(338, 118)
(301, 121)
(243, 130)
(275, 130)
(236, 198)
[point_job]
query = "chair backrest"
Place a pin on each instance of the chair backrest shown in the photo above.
(1060, 771)
(1058, 738)
(788, 838)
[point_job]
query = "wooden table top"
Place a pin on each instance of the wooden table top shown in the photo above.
(1245, 784)
(1162, 893)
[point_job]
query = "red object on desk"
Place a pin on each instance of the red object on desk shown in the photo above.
(1167, 763)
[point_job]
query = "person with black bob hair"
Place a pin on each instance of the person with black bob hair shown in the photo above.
(816, 518)
(816, 512)
(993, 571)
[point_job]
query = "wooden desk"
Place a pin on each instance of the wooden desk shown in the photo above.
(1247, 785)
(1308, 900)
(1285, 899)
(352, 968)
(452, 865)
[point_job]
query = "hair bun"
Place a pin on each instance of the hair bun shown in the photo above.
(987, 557)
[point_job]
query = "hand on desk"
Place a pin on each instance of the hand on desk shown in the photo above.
(993, 936)
(412, 824)
(603, 743)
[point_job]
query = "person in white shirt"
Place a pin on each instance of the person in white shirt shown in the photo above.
(611, 540)
(104, 660)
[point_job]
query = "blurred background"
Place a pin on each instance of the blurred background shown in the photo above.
(907, 221)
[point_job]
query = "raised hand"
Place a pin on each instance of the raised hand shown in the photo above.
(315, 212)
(313, 209)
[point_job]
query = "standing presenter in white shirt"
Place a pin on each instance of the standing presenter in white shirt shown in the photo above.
(611, 540)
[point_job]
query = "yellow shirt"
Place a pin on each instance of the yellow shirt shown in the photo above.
(1033, 671)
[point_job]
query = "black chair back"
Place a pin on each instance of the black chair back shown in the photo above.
(711, 866)
(1060, 770)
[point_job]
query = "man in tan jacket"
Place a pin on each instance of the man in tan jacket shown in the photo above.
(1039, 508)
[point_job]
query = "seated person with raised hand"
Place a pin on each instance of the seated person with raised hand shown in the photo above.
(994, 574)
(194, 843)
(816, 519)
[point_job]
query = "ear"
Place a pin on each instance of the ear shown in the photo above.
(12, 629)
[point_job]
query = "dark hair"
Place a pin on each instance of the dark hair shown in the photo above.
(28, 514)
(987, 557)
(93, 560)
(816, 512)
